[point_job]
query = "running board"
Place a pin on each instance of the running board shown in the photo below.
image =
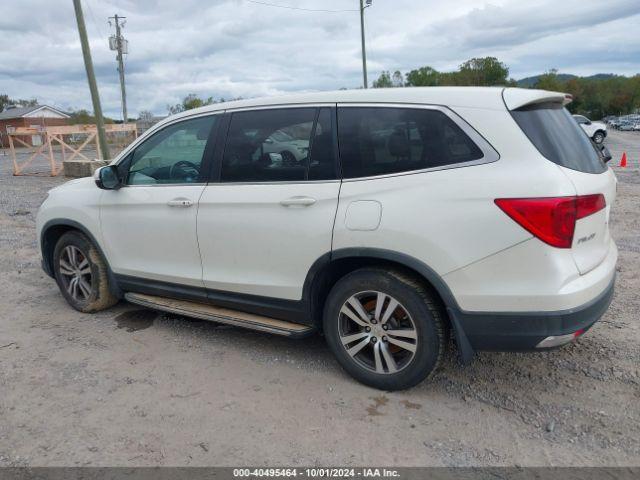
(205, 311)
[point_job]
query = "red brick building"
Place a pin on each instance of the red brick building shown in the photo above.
(38, 116)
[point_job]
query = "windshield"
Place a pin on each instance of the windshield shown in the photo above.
(558, 137)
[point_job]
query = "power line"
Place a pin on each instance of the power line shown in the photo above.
(93, 19)
(289, 7)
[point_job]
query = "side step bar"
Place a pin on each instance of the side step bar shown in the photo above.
(204, 311)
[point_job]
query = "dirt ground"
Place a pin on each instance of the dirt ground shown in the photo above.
(129, 387)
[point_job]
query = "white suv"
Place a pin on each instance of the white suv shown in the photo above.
(596, 131)
(416, 212)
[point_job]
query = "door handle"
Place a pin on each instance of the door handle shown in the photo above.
(180, 202)
(298, 202)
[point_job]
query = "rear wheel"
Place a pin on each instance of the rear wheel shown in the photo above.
(384, 328)
(81, 273)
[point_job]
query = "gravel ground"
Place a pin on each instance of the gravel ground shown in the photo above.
(130, 387)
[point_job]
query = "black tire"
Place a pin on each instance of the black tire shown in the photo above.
(97, 296)
(421, 311)
(598, 137)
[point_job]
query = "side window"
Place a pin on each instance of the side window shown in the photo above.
(322, 164)
(172, 155)
(268, 145)
(379, 140)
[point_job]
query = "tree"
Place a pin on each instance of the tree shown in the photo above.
(26, 103)
(397, 79)
(486, 71)
(82, 116)
(549, 81)
(5, 101)
(383, 81)
(595, 96)
(423, 77)
(386, 80)
(189, 102)
(145, 116)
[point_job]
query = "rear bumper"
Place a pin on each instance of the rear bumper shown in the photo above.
(521, 331)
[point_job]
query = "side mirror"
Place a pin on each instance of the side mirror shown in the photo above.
(107, 178)
(605, 153)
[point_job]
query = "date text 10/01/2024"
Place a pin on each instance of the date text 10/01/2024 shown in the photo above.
(317, 472)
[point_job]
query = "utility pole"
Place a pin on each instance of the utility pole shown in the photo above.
(364, 50)
(91, 77)
(119, 44)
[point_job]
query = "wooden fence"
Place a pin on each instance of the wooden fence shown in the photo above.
(65, 136)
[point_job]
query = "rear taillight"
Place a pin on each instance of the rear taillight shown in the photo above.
(589, 204)
(551, 219)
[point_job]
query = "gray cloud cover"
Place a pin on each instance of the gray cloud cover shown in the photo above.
(235, 48)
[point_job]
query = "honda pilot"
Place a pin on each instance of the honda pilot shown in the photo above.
(385, 219)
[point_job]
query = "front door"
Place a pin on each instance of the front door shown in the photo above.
(149, 225)
(271, 214)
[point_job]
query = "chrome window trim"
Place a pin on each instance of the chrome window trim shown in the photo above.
(489, 154)
(281, 106)
(280, 182)
(200, 184)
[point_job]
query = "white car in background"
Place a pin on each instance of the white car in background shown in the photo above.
(597, 131)
(292, 150)
(420, 212)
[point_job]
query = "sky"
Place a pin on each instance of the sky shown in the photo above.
(239, 48)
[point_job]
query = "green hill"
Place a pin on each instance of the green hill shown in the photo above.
(529, 82)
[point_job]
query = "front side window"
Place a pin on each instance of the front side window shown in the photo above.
(172, 155)
(380, 140)
(268, 145)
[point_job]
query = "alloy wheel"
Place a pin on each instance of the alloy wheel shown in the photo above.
(377, 332)
(75, 272)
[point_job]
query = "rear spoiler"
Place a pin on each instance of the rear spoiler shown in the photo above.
(515, 98)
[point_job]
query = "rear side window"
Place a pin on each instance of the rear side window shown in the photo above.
(380, 140)
(277, 145)
(558, 137)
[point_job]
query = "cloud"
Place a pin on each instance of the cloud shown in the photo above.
(231, 48)
(524, 22)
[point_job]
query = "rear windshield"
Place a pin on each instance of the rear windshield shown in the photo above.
(558, 137)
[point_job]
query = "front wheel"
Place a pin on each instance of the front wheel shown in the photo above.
(384, 328)
(81, 273)
(598, 137)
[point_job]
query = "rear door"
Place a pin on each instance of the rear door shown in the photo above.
(270, 214)
(560, 139)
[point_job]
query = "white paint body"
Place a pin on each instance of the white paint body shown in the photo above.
(241, 238)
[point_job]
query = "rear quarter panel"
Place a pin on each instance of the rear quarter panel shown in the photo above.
(447, 218)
